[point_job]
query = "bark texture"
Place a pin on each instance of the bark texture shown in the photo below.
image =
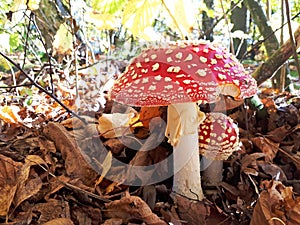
(260, 19)
(275, 61)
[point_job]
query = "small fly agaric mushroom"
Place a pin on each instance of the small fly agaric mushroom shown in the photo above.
(218, 139)
(179, 76)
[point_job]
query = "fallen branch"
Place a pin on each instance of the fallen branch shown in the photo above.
(275, 61)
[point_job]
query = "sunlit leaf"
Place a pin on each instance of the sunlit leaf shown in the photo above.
(33, 4)
(4, 64)
(10, 114)
(102, 21)
(180, 15)
(106, 165)
(62, 43)
(108, 6)
(140, 14)
(17, 4)
(14, 41)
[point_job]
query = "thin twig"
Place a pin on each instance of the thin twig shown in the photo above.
(43, 89)
(66, 184)
(15, 86)
(221, 18)
(292, 38)
(228, 28)
(46, 51)
(258, 43)
(173, 18)
(26, 40)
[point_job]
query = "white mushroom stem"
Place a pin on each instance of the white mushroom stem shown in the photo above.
(182, 131)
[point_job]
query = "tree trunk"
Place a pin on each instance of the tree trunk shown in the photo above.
(48, 21)
(208, 22)
(262, 23)
(268, 68)
(239, 18)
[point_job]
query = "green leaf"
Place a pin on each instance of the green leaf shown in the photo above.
(14, 41)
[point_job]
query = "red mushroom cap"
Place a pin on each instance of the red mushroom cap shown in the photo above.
(197, 71)
(218, 136)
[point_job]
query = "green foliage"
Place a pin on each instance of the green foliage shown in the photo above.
(14, 42)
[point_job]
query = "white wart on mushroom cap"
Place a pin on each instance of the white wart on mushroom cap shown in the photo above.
(187, 71)
(218, 136)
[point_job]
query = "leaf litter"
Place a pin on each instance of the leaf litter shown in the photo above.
(56, 170)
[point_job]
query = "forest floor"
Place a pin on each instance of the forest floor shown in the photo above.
(55, 169)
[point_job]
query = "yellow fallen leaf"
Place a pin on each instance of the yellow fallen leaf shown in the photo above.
(106, 165)
(10, 114)
(114, 125)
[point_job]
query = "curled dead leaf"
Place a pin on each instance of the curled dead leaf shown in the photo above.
(71, 153)
(52, 209)
(148, 113)
(59, 221)
(8, 182)
(29, 183)
(276, 206)
(266, 146)
(132, 207)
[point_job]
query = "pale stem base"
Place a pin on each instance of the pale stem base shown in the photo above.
(182, 131)
(187, 180)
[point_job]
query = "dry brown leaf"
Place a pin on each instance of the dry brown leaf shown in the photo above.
(273, 170)
(148, 113)
(132, 208)
(10, 133)
(147, 158)
(52, 209)
(115, 145)
(56, 184)
(170, 216)
(59, 221)
(232, 189)
(28, 187)
(279, 134)
(249, 161)
(75, 164)
(76, 123)
(9, 171)
(113, 221)
(227, 103)
(86, 215)
(191, 212)
(276, 206)
(266, 146)
(110, 188)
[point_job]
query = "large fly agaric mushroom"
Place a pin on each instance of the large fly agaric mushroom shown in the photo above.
(218, 139)
(179, 76)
